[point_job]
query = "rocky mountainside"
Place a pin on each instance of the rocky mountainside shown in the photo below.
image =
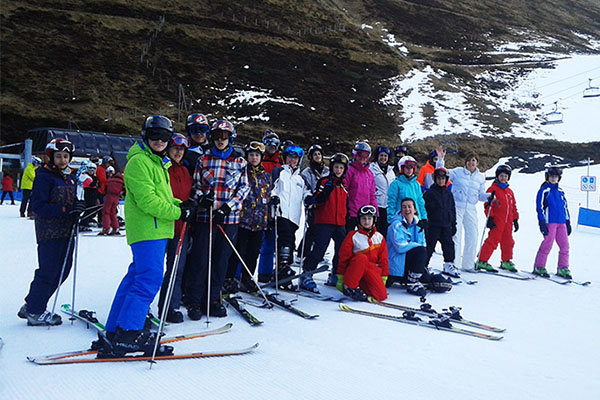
(313, 71)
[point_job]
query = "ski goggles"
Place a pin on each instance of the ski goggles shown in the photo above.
(256, 146)
(410, 164)
(61, 145)
(198, 129)
(163, 135)
(180, 140)
(219, 135)
(367, 210)
(272, 142)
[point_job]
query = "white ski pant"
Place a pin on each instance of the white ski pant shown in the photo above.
(466, 220)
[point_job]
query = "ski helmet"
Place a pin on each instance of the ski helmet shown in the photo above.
(400, 150)
(110, 170)
(503, 169)
(36, 161)
(383, 149)
(59, 144)
(270, 138)
(441, 171)
(554, 171)
(362, 146)
(312, 149)
(256, 147)
(293, 150)
(433, 155)
(407, 161)
(179, 140)
(106, 159)
(367, 210)
(285, 144)
(197, 124)
(223, 126)
(157, 127)
(339, 158)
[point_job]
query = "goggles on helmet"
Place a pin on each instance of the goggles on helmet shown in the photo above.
(219, 135)
(198, 129)
(255, 146)
(180, 140)
(367, 210)
(158, 134)
(272, 142)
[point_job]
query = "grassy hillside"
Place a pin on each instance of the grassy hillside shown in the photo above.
(107, 64)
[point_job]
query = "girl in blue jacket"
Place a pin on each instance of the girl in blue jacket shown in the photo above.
(555, 224)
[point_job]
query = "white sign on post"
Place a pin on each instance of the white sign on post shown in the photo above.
(588, 183)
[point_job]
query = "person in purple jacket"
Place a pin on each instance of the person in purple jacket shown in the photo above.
(360, 182)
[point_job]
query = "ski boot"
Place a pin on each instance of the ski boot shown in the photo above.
(541, 271)
(248, 286)
(265, 278)
(104, 232)
(231, 286)
(115, 232)
(417, 289)
(451, 270)
(173, 316)
(331, 279)
(508, 266)
(43, 319)
(308, 283)
(217, 309)
(564, 273)
(285, 271)
(133, 341)
(22, 313)
(356, 294)
(194, 312)
(484, 265)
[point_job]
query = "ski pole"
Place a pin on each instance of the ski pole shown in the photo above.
(62, 272)
(169, 295)
(276, 211)
(303, 243)
(210, 239)
(75, 271)
(487, 218)
(269, 304)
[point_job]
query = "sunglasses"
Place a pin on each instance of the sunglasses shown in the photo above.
(198, 129)
(159, 134)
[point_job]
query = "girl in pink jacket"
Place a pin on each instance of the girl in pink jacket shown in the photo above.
(360, 183)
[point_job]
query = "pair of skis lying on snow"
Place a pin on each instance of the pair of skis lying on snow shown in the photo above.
(79, 357)
(525, 276)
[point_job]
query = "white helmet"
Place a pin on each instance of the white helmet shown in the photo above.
(407, 160)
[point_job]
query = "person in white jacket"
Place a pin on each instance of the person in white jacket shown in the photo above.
(384, 175)
(468, 188)
(288, 193)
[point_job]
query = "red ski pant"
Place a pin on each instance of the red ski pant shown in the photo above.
(364, 273)
(109, 212)
(501, 233)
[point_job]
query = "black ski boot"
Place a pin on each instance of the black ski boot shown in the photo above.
(194, 312)
(356, 294)
(248, 286)
(134, 341)
(218, 310)
(231, 286)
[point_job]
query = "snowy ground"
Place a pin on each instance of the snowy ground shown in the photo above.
(549, 351)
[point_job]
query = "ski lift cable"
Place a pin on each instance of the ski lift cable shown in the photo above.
(578, 87)
(565, 79)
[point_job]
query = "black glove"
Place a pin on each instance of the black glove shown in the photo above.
(569, 230)
(309, 201)
(516, 224)
(453, 230)
(490, 223)
(221, 213)
(422, 224)
(78, 208)
(544, 227)
(188, 211)
(491, 197)
(207, 200)
(275, 201)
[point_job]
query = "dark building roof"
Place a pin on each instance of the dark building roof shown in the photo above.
(87, 143)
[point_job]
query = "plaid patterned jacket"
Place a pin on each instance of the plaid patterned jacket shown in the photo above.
(228, 179)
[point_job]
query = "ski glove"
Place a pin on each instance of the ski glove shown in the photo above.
(490, 223)
(544, 228)
(340, 283)
(516, 224)
(207, 200)
(78, 207)
(221, 213)
(188, 211)
(384, 279)
(309, 201)
(568, 227)
(275, 201)
(422, 224)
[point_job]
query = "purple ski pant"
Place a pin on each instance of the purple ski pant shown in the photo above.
(556, 232)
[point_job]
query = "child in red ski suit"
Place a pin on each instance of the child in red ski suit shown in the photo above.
(364, 259)
(114, 189)
(503, 216)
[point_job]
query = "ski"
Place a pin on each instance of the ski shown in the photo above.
(559, 279)
(316, 296)
(291, 278)
(512, 275)
(286, 305)
(73, 360)
(172, 339)
(234, 301)
(89, 317)
(408, 317)
(455, 280)
(426, 309)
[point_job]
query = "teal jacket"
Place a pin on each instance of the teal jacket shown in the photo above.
(402, 237)
(401, 188)
(150, 208)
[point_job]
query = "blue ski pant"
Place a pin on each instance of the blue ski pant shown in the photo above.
(51, 256)
(267, 253)
(139, 286)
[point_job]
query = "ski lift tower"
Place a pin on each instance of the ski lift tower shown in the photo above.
(591, 91)
(553, 117)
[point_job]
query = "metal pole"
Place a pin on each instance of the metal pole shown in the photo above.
(62, 273)
(210, 239)
(587, 193)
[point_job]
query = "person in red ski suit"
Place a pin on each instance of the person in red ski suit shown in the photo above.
(114, 190)
(503, 216)
(364, 259)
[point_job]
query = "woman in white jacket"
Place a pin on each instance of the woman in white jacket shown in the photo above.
(384, 175)
(468, 188)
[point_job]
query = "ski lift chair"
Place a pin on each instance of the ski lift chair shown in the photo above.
(553, 117)
(591, 91)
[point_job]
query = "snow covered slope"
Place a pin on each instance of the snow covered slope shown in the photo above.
(549, 351)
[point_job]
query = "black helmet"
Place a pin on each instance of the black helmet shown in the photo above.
(312, 149)
(400, 149)
(157, 126)
(339, 158)
(554, 171)
(504, 169)
(367, 210)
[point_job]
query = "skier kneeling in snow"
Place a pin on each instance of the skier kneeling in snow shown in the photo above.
(150, 212)
(364, 259)
(408, 255)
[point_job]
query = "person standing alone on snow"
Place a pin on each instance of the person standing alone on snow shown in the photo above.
(555, 224)
(150, 212)
(53, 200)
(502, 217)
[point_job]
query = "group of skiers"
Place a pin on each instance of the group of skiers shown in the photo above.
(238, 210)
